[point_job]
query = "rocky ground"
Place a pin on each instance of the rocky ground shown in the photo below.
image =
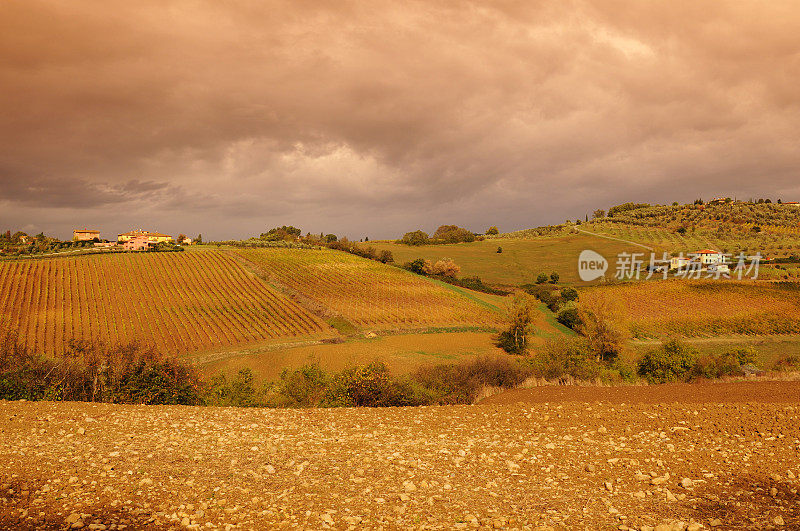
(568, 464)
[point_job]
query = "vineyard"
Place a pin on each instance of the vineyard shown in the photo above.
(365, 292)
(176, 302)
(661, 309)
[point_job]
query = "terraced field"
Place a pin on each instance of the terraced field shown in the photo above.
(367, 293)
(177, 302)
(702, 308)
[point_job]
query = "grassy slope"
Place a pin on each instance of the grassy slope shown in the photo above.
(521, 260)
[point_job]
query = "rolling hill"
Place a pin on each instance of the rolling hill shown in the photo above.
(184, 303)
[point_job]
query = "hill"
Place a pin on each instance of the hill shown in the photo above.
(176, 302)
(368, 294)
(521, 259)
(203, 300)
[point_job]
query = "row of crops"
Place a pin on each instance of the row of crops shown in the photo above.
(367, 293)
(699, 308)
(177, 302)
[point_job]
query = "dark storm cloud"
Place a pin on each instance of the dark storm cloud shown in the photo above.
(228, 117)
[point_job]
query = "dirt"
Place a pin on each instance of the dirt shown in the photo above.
(580, 463)
(780, 392)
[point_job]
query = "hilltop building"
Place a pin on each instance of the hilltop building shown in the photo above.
(85, 235)
(151, 237)
(139, 242)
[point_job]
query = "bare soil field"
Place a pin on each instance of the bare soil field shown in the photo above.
(715, 463)
(777, 392)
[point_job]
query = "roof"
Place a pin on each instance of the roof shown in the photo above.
(86, 230)
(708, 251)
(145, 233)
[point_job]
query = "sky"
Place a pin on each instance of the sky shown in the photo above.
(376, 118)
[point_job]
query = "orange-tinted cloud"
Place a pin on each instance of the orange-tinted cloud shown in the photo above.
(369, 118)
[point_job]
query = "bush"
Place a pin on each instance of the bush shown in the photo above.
(385, 257)
(569, 318)
(240, 391)
(445, 268)
(122, 374)
(554, 277)
(542, 278)
(307, 386)
(717, 366)
(461, 384)
(671, 362)
(416, 266)
(453, 234)
(559, 358)
(492, 231)
(417, 237)
(787, 362)
(370, 386)
(569, 294)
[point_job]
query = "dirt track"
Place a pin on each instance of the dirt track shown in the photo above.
(570, 465)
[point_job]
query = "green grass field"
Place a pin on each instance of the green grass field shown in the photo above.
(521, 260)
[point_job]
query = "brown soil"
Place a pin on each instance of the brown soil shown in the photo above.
(575, 464)
(777, 392)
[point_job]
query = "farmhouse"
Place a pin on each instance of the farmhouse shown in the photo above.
(152, 237)
(679, 262)
(85, 235)
(709, 256)
(139, 242)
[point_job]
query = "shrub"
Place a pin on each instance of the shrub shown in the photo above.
(453, 234)
(461, 383)
(445, 267)
(499, 250)
(558, 358)
(542, 278)
(385, 257)
(370, 386)
(570, 318)
(307, 386)
(672, 361)
(416, 237)
(416, 266)
(554, 277)
(717, 366)
(492, 231)
(239, 391)
(569, 294)
(123, 374)
(787, 362)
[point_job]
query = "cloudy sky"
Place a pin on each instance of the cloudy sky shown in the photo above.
(374, 118)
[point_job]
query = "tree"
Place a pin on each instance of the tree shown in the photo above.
(385, 257)
(499, 250)
(599, 213)
(554, 277)
(181, 238)
(416, 266)
(569, 294)
(417, 237)
(199, 239)
(600, 324)
(542, 278)
(453, 234)
(329, 238)
(492, 231)
(514, 340)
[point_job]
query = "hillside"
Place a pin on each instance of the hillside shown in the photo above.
(202, 300)
(521, 259)
(368, 294)
(177, 302)
(563, 460)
